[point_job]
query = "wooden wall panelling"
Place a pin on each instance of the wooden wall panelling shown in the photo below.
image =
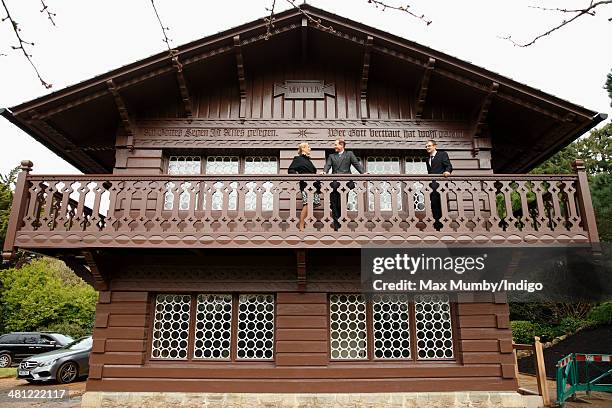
(302, 311)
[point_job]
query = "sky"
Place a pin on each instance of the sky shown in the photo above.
(93, 37)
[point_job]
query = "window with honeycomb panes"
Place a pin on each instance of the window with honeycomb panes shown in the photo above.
(181, 166)
(383, 165)
(433, 327)
(213, 327)
(223, 165)
(348, 332)
(260, 165)
(391, 326)
(256, 327)
(171, 326)
(417, 165)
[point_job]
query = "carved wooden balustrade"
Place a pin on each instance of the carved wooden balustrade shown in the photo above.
(262, 211)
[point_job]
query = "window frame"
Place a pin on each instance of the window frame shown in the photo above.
(191, 359)
(413, 359)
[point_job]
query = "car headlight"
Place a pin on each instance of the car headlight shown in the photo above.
(47, 363)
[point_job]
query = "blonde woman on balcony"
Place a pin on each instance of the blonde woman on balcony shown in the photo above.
(302, 164)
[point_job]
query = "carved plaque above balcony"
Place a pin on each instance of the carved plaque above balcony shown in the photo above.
(304, 89)
(287, 133)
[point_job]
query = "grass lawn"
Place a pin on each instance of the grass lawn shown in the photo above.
(8, 372)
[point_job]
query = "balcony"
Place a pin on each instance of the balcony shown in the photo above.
(52, 213)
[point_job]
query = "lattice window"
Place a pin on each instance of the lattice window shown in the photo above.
(433, 327)
(171, 326)
(384, 165)
(223, 165)
(391, 326)
(213, 327)
(417, 165)
(180, 166)
(348, 327)
(255, 327)
(260, 165)
(351, 202)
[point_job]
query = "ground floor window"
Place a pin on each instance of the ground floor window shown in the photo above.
(213, 327)
(390, 326)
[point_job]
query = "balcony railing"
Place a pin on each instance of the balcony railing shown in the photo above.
(78, 211)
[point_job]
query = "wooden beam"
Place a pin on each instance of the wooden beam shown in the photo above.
(304, 39)
(483, 111)
(365, 72)
(423, 88)
(123, 113)
(301, 269)
(241, 76)
(100, 278)
(182, 85)
(64, 144)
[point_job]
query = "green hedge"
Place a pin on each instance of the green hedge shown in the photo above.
(45, 294)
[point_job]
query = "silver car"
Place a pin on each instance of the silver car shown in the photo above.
(63, 365)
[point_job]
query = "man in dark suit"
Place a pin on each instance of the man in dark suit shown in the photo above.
(340, 163)
(437, 163)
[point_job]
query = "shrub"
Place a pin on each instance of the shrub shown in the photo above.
(69, 329)
(572, 324)
(602, 314)
(523, 331)
(44, 293)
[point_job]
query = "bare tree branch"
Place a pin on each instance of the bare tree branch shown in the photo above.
(590, 10)
(164, 28)
(270, 20)
(50, 15)
(404, 9)
(316, 21)
(22, 44)
(172, 52)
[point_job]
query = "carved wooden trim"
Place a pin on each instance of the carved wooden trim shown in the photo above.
(365, 72)
(199, 133)
(123, 113)
(241, 76)
(182, 85)
(301, 269)
(304, 39)
(481, 117)
(423, 87)
(99, 276)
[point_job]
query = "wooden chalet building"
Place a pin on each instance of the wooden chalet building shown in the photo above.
(185, 218)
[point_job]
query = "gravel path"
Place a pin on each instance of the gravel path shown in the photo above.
(75, 391)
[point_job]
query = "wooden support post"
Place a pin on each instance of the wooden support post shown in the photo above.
(541, 372)
(301, 269)
(241, 76)
(123, 113)
(423, 87)
(18, 209)
(585, 203)
(182, 85)
(98, 273)
(481, 117)
(365, 72)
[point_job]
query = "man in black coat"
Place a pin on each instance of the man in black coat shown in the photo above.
(437, 163)
(340, 163)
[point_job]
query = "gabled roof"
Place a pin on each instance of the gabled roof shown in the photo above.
(79, 122)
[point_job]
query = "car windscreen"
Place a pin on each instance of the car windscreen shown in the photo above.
(83, 343)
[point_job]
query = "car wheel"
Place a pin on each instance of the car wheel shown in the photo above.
(5, 360)
(67, 373)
